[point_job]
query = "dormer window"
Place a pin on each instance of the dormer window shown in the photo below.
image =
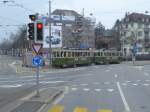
(143, 19)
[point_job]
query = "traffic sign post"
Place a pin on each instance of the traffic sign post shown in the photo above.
(37, 61)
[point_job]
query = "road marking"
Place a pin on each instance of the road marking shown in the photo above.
(51, 82)
(138, 67)
(106, 82)
(146, 74)
(74, 85)
(135, 84)
(57, 108)
(11, 86)
(116, 75)
(138, 80)
(147, 80)
(104, 110)
(83, 84)
(66, 90)
(95, 83)
(95, 66)
(74, 89)
(127, 108)
(124, 84)
(110, 90)
(107, 70)
(146, 84)
(29, 96)
(86, 89)
(128, 81)
(80, 109)
(98, 90)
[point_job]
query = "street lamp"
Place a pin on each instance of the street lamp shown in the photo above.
(50, 47)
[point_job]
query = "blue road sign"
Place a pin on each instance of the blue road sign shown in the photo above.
(37, 61)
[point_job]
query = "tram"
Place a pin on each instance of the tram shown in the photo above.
(66, 58)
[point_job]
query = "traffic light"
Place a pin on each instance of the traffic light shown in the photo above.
(31, 31)
(32, 17)
(39, 31)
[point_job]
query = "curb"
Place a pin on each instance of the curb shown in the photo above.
(53, 97)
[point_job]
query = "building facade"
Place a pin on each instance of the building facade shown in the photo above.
(106, 38)
(134, 32)
(77, 30)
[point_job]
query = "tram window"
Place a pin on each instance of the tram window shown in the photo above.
(101, 54)
(95, 53)
(65, 54)
(58, 54)
(62, 54)
(73, 54)
(109, 54)
(76, 54)
(113, 54)
(84, 54)
(88, 53)
(118, 54)
(54, 54)
(105, 54)
(69, 54)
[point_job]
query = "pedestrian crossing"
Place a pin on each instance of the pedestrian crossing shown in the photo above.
(60, 108)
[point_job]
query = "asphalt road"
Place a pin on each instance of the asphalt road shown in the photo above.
(102, 88)
(116, 88)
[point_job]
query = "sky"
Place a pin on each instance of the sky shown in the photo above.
(105, 11)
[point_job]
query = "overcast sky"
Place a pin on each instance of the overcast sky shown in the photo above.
(105, 11)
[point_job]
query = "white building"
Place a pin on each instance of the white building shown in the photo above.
(134, 30)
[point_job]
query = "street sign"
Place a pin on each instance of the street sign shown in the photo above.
(37, 48)
(37, 61)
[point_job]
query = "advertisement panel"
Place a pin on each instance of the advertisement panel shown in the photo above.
(56, 37)
(68, 18)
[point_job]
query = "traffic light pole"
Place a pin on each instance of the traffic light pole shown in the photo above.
(50, 47)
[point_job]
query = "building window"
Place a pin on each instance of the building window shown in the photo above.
(147, 20)
(140, 34)
(132, 34)
(132, 25)
(143, 19)
(126, 25)
(140, 25)
(125, 33)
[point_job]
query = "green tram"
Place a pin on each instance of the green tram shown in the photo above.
(66, 58)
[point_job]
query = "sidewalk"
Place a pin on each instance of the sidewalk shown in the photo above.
(137, 63)
(31, 103)
(17, 66)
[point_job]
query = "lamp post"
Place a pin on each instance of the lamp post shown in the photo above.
(50, 47)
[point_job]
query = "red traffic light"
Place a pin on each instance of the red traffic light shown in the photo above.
(39, 25)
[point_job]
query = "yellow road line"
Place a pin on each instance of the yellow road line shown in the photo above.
(57, 108)
(80, 109)
(104, 110)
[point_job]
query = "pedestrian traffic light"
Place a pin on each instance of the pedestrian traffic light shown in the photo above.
(39, 31)
(31, 31)
(32, 17)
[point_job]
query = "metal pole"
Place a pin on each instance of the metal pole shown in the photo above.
(37, 82)
(50, 48)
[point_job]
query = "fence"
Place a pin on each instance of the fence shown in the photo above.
(13, 52)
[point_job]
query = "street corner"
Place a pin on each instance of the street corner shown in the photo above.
(47, 95)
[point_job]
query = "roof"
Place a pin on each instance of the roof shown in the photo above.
(137, 17)
(108, 33)
(65, 12)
